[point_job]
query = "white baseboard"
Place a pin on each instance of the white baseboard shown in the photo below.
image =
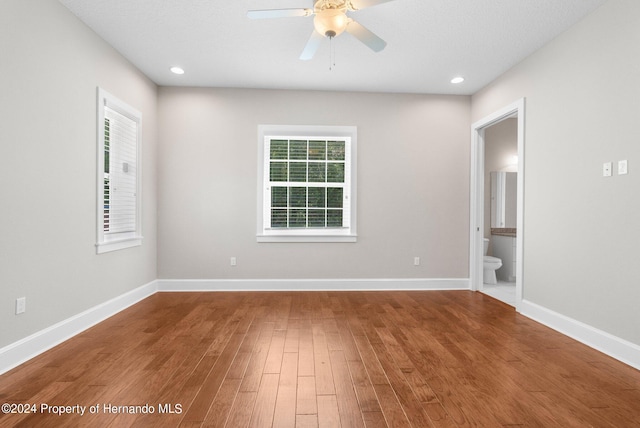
(23, 350)
(312, 284)
(615, 347)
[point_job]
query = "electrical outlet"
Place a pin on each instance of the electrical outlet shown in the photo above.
(622, 167)
(416, 261)
(21, 305)
(233, 261)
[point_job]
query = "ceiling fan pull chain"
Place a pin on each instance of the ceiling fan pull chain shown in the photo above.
(334, 55)
(330, 52)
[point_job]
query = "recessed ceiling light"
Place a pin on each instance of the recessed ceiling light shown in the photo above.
(177, 70)
(458, 79)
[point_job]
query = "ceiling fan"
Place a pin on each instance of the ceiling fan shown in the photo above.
(330, 20)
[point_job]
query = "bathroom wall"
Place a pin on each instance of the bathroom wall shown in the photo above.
(412, 185)
(501, 146)
(581, 232)
(50, 67)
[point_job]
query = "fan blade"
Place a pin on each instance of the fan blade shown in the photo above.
(361, 4)
(312, 46)
(278, 13)
(365, 36)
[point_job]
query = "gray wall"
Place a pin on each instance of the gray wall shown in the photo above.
(581, 240)
(413, 185)
(50, 67)
(581, 234)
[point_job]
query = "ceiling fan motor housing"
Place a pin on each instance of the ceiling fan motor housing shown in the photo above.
(330, 22)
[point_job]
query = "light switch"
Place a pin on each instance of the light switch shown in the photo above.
(606, 169)
(622, 167)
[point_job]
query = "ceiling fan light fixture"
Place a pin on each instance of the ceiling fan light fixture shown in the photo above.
(330, 22)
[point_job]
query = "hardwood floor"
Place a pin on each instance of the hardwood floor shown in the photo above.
(323, 359)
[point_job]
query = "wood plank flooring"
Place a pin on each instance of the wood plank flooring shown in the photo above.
(322, 359)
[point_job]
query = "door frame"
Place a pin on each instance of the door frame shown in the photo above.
(476, 223)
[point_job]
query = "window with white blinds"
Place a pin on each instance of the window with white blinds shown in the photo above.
(307, 185)
(118, 174)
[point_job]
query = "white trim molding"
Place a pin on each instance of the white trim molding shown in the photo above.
(23, 350)
(348, 233)
(120, 204)
(615, 347)
(369, 284)
(476, 195)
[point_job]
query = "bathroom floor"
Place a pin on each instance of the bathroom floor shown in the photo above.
(503, 291)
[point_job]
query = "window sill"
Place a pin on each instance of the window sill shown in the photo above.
(118, 244)
(306, 238)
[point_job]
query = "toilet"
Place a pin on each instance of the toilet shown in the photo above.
(491, 264)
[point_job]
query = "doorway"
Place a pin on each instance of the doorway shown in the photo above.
(477, 194)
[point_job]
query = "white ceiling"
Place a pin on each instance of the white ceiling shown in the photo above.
(428, 42)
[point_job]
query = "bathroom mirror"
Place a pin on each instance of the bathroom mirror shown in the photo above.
(504, 187)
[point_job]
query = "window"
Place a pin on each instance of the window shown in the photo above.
(307, 185)
(119, 130)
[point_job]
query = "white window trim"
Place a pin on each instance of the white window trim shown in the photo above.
(113, 242)
(306, 235)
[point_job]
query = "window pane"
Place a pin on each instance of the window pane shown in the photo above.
(317, 197)
(105, 222)
(278, 218)
(107, 144)
(298, 150)
(317, 150)
(297, 218)
(335, 150)
(306, 185)
(334, 197)
(279, 149)
(279, 197)
(317, 172)
(105, 193)
(298, 171)
(334, 218)
(335, 173)
(278, 171)
(122, 172)
(317, 218)
(298, 197)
